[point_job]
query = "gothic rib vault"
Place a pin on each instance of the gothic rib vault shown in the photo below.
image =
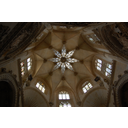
(65, 75)
(80, 60)
(63, 60)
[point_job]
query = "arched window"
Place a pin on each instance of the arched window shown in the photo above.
(22, 68)
(29, 63)
(105, 68)
(63, 95)
(98, 64)
(108, 70)
(26, 66)
(93, 38)
(86, 86)
(65, 104)
(41, 86)
(64, 98)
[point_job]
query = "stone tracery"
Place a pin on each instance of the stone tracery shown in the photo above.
(63, 60)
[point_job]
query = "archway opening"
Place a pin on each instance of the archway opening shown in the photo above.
(6, 94)
(124, 95)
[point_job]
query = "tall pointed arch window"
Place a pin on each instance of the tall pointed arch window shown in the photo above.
(41, 86)
(29, 63)
(86, 86)
(108, 70)
(22, 68)
(64, 98)
(98, 64)
(26, 66)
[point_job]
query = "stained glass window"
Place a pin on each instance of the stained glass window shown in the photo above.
(29, 63)
(22, 68)
(26, 66)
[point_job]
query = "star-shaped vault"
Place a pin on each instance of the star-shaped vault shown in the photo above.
(63, 60)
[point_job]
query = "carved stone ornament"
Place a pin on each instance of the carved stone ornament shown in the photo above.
(116, 40)
(18, 40)
(79, 103)
(122, 39)
(3, 31)
(51, 104)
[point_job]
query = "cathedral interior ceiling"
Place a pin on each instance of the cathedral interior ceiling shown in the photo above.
(63, 57)
(55, 39)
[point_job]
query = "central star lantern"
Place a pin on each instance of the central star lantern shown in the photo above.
(63, 60)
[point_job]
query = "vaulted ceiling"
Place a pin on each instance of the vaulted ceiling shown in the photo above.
(55, 39)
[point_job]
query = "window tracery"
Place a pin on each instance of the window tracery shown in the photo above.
(22, 68)
(93, 38)
(63, 59)
(41, 86)
(105, 68)
(29, 63)
(98, 63)
(65, 104)
(26, 66)
(64, 97)
(86, 86)
(108, 70)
